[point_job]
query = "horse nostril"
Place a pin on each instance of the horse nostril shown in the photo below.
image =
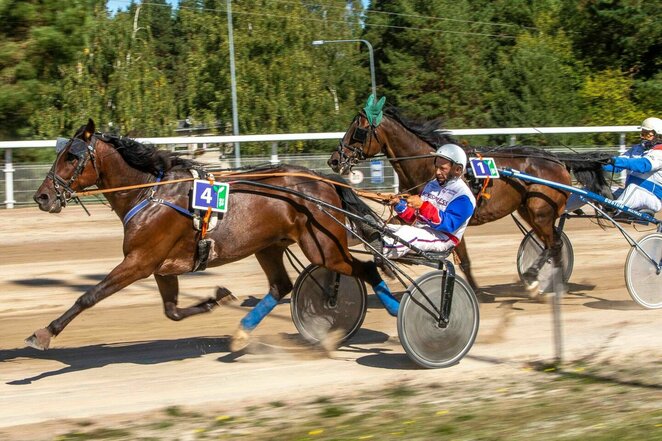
(40, 198)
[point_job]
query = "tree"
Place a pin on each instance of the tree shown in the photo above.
(37, 38)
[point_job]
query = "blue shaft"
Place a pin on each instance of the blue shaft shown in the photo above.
(384, 295)
(260, 311)
(583, 194)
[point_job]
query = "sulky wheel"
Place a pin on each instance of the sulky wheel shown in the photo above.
(643, 278)
(529, 250)
(324, 301)
(424, 341)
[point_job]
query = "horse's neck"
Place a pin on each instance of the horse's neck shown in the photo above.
(114, 172)
(400, 143)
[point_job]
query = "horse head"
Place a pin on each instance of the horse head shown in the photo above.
(360, 140)
(74, 169)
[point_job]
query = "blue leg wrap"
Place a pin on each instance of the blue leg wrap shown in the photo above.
(384, 295)
(260, 311)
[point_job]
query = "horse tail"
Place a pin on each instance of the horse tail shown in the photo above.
(587, 169)
(352, 203)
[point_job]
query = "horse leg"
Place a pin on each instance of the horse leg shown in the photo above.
(271, 261)
(541, 218)
(465, 265)
(367, 271)
(341, 261)
(169, 289)
(134, 267)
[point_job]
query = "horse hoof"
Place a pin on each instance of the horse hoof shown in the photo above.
(538, 295)
(240, 340)
(224, 296)
(332, 340)
(532, 287)
(40, 340)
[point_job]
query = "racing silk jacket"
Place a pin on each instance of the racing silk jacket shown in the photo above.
(446, 208)
(645, 171)
(636, 151)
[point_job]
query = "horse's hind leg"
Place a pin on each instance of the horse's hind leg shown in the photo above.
(336, 257)
(465, 266)
(541, 216)
(280, 285)
(169, 289)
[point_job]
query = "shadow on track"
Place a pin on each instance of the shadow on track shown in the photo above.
(95, 356)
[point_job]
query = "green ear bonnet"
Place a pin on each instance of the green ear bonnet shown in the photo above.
(373, 111)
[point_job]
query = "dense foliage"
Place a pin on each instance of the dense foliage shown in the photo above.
(505, 63)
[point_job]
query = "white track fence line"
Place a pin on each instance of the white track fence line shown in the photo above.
(29, 176)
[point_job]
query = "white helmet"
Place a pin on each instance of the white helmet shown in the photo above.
(453, 153)
(654, 124)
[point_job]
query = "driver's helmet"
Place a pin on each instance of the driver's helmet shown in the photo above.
(453, 153)
(652, 125)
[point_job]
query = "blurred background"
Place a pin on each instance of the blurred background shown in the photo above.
(220, 67)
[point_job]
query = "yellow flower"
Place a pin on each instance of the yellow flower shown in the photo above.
(316, 432)
(442, 412)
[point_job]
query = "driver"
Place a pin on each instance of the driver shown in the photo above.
(643, 185)
(435, 220)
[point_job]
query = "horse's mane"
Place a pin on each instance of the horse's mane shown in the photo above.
(431, 131)
(147, 158)
(513, 151)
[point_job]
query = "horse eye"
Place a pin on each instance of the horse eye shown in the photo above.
(71, 157)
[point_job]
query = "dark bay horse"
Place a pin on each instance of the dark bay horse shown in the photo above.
(159, 237)
(408, 144)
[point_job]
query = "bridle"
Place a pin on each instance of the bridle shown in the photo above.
(360, 135)
(84, 152)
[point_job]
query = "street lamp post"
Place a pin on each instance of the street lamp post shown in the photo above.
(372, 57)
(233, 86)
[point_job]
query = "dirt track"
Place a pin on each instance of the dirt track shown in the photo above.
(124, 356)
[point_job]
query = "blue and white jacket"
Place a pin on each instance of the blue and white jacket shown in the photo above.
(645, 171)
(446, 208)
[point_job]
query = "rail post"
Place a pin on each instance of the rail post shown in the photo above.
(274, 153)
(621, 149)
(9, 179)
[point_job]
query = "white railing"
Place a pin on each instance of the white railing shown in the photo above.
(9, 146)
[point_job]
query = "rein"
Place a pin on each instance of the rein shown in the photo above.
(366, 194)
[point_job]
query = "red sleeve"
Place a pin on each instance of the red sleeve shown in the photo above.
(409, 215)
(430, 213)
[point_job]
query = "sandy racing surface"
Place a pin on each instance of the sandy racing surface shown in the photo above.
(125, 356)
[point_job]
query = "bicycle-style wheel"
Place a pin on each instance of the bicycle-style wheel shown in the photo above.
(424, 341)
(324, 301)
(642, 278)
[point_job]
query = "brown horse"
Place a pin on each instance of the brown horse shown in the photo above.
(408, 145)
(263, 219)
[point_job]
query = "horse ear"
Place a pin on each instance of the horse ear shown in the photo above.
(380, 103)
(89, 130)
(371, 100)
